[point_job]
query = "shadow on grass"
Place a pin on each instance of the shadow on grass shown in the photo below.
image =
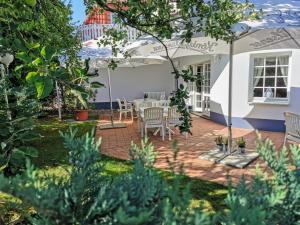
(50, 145)
(53, 159)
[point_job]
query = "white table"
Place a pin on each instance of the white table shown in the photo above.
(153, 103)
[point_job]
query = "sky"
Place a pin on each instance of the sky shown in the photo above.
(78, 10)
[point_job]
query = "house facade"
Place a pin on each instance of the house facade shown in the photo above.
(265, 79)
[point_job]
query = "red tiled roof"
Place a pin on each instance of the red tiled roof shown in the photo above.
(98, 17)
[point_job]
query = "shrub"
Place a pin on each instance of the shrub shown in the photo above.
(141, 196)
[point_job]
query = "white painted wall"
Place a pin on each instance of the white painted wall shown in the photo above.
(131, 83)
(241, 75)
(241, 108)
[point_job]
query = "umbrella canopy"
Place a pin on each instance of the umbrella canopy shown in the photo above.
(102, 56)
(199, 45)
(279, 27)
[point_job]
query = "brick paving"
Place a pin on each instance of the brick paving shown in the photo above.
(116, 142)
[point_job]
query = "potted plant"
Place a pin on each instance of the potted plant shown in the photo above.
(241, 143)
(83, 90)
(219, 142)
(225, 144)
(145, 97)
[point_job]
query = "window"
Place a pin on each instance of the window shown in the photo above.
(270, 77)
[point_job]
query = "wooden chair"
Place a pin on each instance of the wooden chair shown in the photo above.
(292, 123)
(173, 120)
(125, 108)
(154, 118)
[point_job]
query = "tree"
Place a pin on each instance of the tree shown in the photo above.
(157, 18)
(47, 22)
(36, 32)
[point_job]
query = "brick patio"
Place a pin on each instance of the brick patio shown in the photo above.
(115, 142)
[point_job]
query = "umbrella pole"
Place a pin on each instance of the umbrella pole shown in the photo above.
(230, 99)
(58, 100)
(110, 99)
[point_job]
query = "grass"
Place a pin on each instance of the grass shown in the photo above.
(53, 160)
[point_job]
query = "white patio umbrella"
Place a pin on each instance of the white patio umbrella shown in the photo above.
(102, 57)
(199, 45)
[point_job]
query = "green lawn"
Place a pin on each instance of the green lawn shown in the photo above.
(53, 159)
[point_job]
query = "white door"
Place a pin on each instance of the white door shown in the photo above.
(200, 91)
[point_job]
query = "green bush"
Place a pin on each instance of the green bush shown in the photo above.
(141, 196)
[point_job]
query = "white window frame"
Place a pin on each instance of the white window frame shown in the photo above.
(266, 100)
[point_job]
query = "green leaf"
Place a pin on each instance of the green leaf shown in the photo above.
(33, 45)
(29, 151)
(37, 62)
(31, 3)
(44, 86)
(31, 76)
(23, 56)
(80, 96)
(96, 84)
(47, 53)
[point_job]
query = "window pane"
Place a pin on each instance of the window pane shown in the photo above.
(258, 72)
(282, 71)
(270, 71)
(281, 82)
(258, 82)
(258, 92)
(269, 92)
(283, 60)
(270, 82)
(271, 61)
(281, 93)
(199, 69)
(258, 61)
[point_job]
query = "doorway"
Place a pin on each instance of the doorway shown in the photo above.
(199, 91)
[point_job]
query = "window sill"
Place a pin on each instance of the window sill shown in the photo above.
(269, 102)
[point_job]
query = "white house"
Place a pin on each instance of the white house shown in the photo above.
(265, 78)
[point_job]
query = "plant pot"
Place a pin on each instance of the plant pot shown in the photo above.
(82, 115)
(225, 148)
(242, 150)
(145, 99)
(220, 147)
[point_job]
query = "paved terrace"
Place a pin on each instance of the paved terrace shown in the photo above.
(116, 142)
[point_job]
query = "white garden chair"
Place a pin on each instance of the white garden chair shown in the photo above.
(138, 112)
(156, 95)
(154, 118)
(124, 108)
(173, 120)
(292, 124)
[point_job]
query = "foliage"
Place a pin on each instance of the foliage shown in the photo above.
(162, 21)
(241, 142)
(269, 200)
(43, 69)
(88, 197)
(16, 126)
(219, 140)
(48, 22)
(38, 33)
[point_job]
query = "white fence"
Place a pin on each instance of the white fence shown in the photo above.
(92, 31)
